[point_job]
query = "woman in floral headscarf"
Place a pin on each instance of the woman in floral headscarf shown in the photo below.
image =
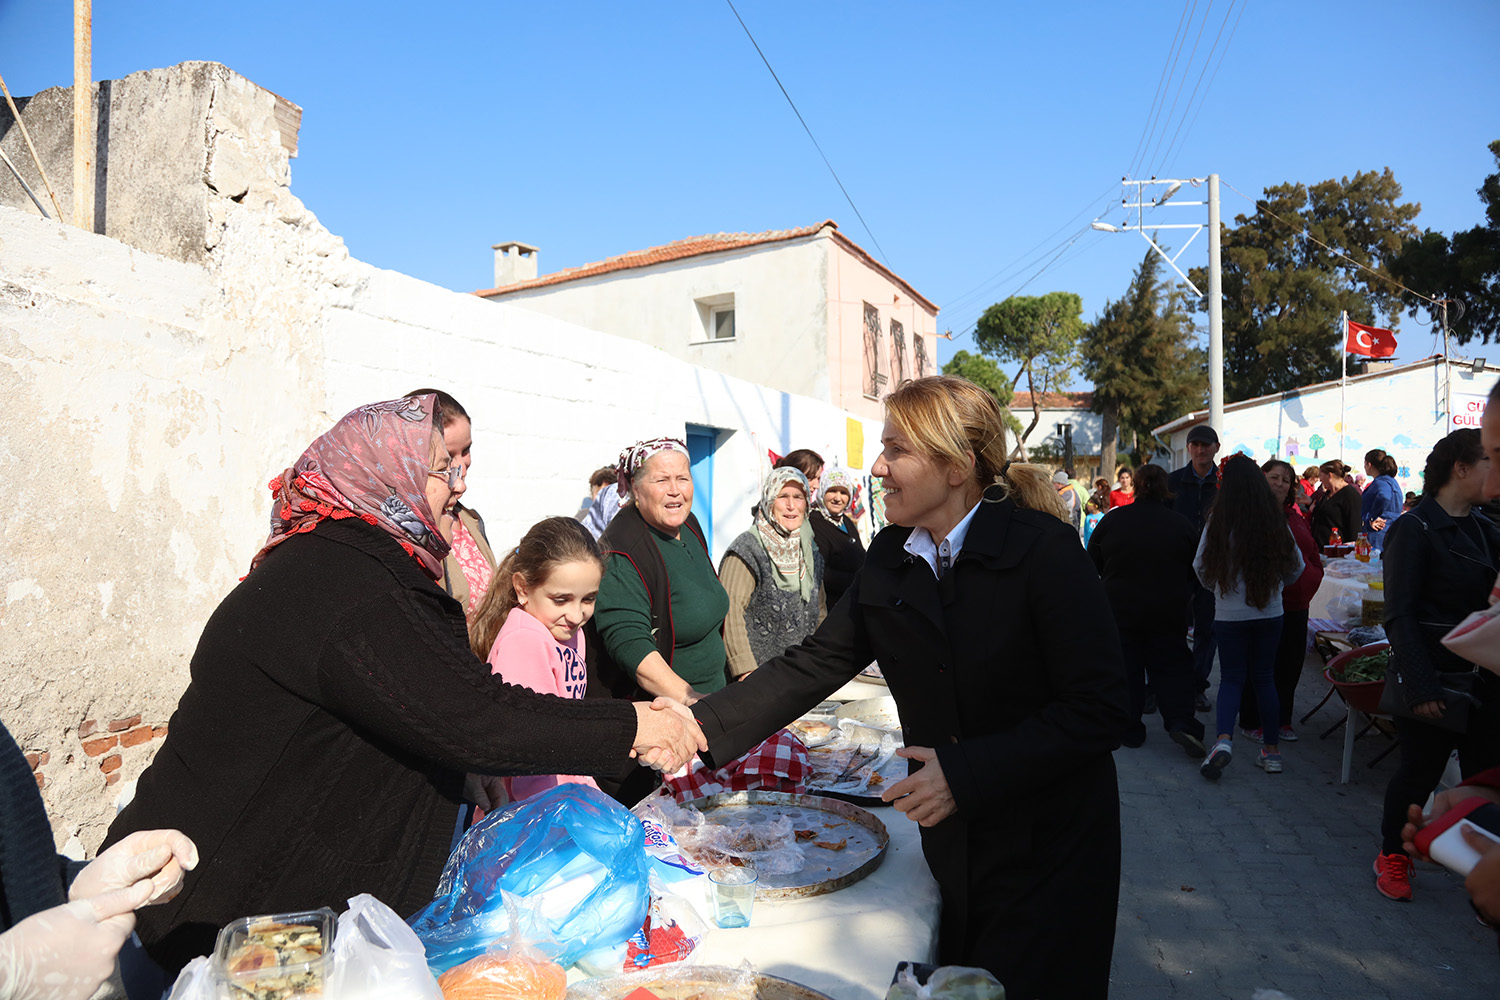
(837, 535)
(335, 706)
(773, 575)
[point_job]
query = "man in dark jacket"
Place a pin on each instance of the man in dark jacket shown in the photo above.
(1194, 486)
(1144, 554)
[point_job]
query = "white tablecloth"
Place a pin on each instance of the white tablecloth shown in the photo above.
(844, 943)
(1332, 588)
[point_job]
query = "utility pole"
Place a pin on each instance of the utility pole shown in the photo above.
(83, 113)
(1215, 293)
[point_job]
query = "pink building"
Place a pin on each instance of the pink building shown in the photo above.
(806, 311)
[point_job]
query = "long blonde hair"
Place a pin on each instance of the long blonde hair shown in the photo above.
(948, 418)
(548, 544)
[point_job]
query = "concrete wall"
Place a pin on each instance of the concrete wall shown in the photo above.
(851, 284)
(151, 399)
(1405, 413)
(1088, 429)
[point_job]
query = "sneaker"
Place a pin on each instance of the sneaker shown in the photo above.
(1201, 703)
(1268, 762)
(1218, 758)
(1254, 735)
(1393, 874)
(1191, 745)
(1288, 734)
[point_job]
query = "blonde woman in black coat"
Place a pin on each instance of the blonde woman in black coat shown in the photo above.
(971, 603)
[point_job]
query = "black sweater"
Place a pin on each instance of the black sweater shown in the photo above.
(1144, 554)
(1340, 510)
(320, 748)
(843, 553)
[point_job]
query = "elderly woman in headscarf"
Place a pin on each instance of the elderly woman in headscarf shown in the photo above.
(335, 706)
(836, 535)
(773, 575)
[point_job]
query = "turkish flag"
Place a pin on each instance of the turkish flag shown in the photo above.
(1371, 341)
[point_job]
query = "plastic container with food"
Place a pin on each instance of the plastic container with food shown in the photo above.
(280, 956)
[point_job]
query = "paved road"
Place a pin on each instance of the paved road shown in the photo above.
(1265, 881)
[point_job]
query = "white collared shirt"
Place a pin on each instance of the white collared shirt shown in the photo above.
(920, 543)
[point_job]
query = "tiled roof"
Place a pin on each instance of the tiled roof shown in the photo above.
(695, 246)
(1054, 400)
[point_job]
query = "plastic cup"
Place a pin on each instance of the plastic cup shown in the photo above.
(734, 895)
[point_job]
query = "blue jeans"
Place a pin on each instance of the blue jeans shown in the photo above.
(1247, 650)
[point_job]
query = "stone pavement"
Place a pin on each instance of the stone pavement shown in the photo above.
(1265, 881)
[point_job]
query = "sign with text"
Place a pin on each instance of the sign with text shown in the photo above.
(1468, 410)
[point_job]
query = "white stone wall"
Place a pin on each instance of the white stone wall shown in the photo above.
(150, 400)
(1405, 413)
(1088, 428)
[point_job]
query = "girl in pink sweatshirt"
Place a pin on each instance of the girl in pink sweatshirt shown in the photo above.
(552, 579)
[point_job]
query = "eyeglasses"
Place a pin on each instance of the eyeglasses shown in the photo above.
(453, 473)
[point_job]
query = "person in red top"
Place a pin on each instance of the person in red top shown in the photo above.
(1125, 494)
(1295, 601)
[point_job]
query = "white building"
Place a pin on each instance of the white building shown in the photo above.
(1404, 410)
(1058, 408)
(806, 311)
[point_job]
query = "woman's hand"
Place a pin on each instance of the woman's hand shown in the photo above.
(1430, 709)
(162, 856)
(666, 735)
(1441, 803)
(656, 677)
(1378, 524)
(924, 796)
(65, 953)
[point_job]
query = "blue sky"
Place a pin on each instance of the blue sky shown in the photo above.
(967, 133)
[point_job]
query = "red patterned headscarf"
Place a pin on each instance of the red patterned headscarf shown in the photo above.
(373, 465)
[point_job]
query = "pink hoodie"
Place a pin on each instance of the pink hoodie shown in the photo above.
(526, 653)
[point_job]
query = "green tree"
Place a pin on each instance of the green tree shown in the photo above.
(1040, 334)
(984, 373)
(1140, 356)
(1466, 268)
(1283, 292)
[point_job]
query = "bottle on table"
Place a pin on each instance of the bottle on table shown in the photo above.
(1362, 547)
(1335, 538)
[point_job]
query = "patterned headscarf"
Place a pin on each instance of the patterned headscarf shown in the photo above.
(373, 465)
(632, 458)
(791, 554)
(834, 479)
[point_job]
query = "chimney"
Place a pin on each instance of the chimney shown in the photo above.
(514, 262)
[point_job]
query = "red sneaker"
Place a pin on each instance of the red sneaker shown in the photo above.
(1393, 874)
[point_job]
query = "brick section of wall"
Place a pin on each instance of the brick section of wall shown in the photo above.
(108, 746)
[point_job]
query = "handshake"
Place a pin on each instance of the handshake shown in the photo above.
(667, 737)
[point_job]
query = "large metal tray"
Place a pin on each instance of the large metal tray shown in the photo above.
(824, 870)
(872, 717)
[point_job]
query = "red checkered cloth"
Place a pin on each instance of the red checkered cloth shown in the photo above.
(780, 764)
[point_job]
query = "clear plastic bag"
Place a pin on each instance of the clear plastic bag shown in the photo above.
(377, 957)
(951, 982)
(572, 853)
(195, 982)
(675, 982)
(769, 847)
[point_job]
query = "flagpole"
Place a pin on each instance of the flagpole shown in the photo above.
(1343, 376)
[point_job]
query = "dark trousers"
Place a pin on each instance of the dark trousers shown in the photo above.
(1246, 658)
(1291, 653)
(1165, 658)
(1424, 754)
(1203, 635)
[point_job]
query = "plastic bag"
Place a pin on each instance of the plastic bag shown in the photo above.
(951, 982)
(1347, 607)
(719, 982)
(770, 847)
(574, 854)
(195, 982)
(377, 957)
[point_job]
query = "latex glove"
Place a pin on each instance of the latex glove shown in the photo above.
(65, 953)
(162, 856)
(924, 796)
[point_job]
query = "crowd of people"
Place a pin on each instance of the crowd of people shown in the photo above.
(378, 651)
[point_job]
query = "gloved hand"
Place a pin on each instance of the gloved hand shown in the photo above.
(159, 855)
(65, 953)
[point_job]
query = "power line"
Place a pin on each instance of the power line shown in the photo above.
(1185, 71)
(1199, 82)
(1212, 78)
(1150, 121)
(884, 259)
(1056, 259)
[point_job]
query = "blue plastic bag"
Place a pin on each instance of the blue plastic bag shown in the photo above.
(573, 855)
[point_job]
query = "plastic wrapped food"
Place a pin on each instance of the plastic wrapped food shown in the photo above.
(676, 982)
(504, 977)
(769, 847)
(951, 982)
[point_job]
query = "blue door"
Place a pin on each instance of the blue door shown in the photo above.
(701, 442)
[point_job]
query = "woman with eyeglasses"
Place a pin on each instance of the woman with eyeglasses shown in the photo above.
(335, 706)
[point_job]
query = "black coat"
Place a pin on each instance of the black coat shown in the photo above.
(1340, 510)
(1010, 668)
(320, 748)
(1435, 577)
(1190, 498)
(843, 553)
(1144, 554)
